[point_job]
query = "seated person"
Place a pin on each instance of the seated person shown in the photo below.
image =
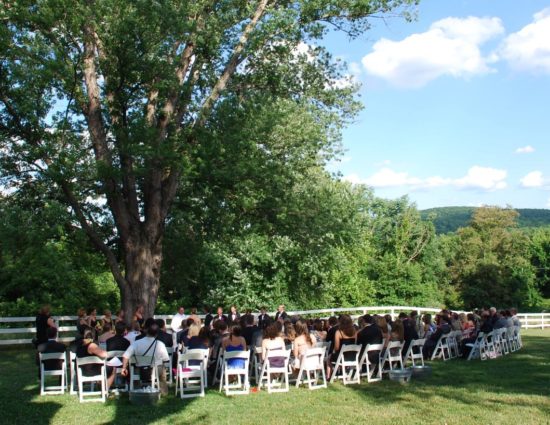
(50, 346)
(370, 335)
(118, 342)
(163, 335)
(135, 331)
(88, 347)
(107, 333)
(149, 346)
(250, 329)
(234, 342)
(302, 342)
(273, 341)
(319, 332)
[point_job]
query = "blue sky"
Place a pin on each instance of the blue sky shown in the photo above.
(457, 104)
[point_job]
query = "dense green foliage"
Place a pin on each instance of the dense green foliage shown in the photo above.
(450, 219)
(509, 390)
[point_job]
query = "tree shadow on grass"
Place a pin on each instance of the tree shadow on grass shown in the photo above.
(522, 373)
(19, 389)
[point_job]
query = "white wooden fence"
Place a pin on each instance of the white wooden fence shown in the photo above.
(25, 330)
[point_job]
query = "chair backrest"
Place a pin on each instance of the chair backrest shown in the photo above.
(418, 342)
(114, 353)
(394, 344)
(81, 361)
(192, 355)
(51, 356)
(277, 353)
(236, 355)
(313, 357)
(375, 347)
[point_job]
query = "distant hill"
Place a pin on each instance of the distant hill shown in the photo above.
(449, 219)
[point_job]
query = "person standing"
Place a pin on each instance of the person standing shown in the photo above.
(281, 313)
(234, 315)
(177, 319)
(220, 316)
(263, 319)
(44, 321)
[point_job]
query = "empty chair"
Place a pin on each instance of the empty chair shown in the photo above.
(370, 364)
(91, 370)
(235, 378)
(347, 365)
(276, 363)
(312, 368)
(53, 364)
(191, 373)
(414, 352)
(391, 356)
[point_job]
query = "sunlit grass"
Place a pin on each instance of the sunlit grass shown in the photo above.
(514, 389)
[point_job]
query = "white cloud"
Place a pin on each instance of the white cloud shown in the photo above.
(529, 48)
(480, 178)
(535, 179)
(451, 46)
(525, 149)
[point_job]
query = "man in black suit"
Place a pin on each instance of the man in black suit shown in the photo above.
(331, 332)
(118, 342)
(50, 346)
(263, 319)
(207, 316)
(163, 335)
(281, 313)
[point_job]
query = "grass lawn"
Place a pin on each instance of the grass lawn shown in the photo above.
(514, 389)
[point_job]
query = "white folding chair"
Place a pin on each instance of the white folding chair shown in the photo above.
(242, 384)
(168, 365)
(442, 348)
(517, 336)
(490, 351)
(275, 385)
(312, 365)
(326, 346)
(373, 372)
(414, 352)
(191, 379)
(256, 363)
(218, 377)
(392, 355)
(136, 363)
(347, 370)
(504, 342)
(511, 340)
(118, 371)
(59, 372)
(72, 373)
(478, 348)
(92, 380)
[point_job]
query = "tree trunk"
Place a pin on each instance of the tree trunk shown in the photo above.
(143, 259)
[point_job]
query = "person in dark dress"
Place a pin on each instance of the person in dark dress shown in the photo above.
(118, 342)
(332, 328)
(44, 321)
(249, 330)
(409, 331)
(88, 347)
(207, 317)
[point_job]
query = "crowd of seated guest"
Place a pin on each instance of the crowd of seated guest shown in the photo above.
(236, 332)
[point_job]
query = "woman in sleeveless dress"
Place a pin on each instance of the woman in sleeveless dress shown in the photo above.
(235, 342)
(302, 342)
(87, 348)
(345, 335)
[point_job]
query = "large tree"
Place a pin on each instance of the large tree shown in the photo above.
(109, 99)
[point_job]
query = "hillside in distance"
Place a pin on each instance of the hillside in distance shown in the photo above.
(449, 219)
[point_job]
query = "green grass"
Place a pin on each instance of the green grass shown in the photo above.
(514, 389)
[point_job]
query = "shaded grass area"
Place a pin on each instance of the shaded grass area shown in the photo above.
(514, 389)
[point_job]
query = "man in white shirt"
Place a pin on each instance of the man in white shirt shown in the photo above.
(177, 319)
(149, 346)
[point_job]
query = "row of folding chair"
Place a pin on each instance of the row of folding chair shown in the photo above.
(496, 343)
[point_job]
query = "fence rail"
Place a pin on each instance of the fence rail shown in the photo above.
(67, 332)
